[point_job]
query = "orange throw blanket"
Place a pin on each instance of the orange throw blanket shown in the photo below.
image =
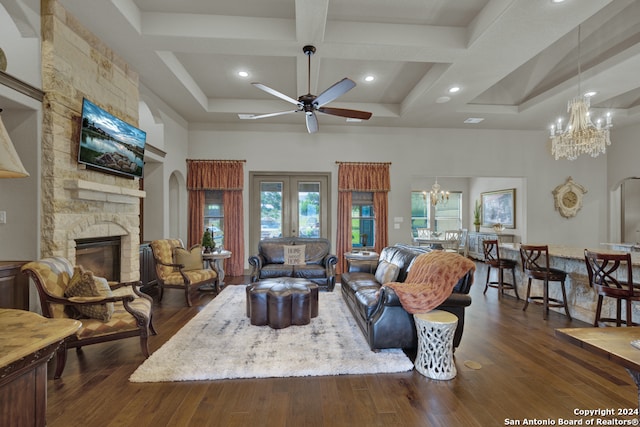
(431, 280)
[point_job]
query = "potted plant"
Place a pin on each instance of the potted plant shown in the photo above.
(207, 241)
(476, 215)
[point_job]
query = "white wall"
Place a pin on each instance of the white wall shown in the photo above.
(164, 205)
(426, 152)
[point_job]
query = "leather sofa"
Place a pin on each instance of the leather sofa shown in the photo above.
(319, 266)
(377, 308)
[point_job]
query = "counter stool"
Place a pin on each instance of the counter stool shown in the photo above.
(611, 276)
(434, 358)
(493, 260)
(535, 265)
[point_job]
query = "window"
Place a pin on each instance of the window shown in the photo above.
(445, 215)
(214, 215)
(362, 220)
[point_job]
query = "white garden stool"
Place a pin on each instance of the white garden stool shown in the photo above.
(435, 344)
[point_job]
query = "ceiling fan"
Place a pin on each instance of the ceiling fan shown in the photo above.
(309, 103)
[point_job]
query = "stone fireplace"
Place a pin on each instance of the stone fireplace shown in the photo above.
(79, 203)
(103, 212)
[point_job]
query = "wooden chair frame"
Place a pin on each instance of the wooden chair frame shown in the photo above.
(144, 324)
(603, 269)
(536, 266)
(493, 260)
(187, 282)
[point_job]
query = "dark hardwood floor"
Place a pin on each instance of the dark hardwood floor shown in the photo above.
(526, 373)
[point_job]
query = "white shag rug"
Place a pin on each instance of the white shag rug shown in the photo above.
(220, 343)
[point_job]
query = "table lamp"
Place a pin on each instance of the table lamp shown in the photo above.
(10, 164)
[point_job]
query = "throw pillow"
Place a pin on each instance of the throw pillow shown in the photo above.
(386, 272)
(192, 259)
(294, 254)
(84, 285)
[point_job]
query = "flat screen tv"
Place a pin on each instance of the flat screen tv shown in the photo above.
(110, 144)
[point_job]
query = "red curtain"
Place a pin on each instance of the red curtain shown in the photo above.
(373, 177)
(228, 176)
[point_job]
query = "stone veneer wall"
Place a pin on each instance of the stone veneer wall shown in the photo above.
(77, 202)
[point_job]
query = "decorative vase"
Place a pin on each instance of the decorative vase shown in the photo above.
(477, 227)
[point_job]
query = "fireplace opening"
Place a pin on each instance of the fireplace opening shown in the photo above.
(101, 256)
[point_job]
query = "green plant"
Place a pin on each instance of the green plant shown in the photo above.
(207, 240)
(476, 213)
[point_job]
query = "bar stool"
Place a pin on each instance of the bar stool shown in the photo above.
(533, 257)
(493, 260)
(603, 277)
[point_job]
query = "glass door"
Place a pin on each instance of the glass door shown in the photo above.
(286, 205)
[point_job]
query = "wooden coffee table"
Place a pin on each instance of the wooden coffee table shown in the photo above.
(611, 343)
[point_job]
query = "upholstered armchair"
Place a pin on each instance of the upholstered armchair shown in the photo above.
(108, 311)
(179, 268)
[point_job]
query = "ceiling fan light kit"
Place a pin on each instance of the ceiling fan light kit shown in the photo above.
(309, 103)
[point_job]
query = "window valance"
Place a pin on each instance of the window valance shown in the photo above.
(215, 175)
(356, 176)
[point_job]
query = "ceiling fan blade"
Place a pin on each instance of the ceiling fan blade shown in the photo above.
(340, 88)
(312, 122)
(343, 112)
(276, 93)
(279, 113)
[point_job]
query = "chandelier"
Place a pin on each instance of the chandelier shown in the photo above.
(437, 195)
(580, 136)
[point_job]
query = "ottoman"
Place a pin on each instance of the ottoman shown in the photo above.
(281, 302)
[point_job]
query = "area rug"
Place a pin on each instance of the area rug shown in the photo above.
(220, 343)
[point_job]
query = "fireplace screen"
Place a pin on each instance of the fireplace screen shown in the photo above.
(100, 256)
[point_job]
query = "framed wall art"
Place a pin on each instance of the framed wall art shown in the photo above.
(499, 207)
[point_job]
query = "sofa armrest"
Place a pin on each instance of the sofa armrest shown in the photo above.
(457, 300)
(256, 262)
(389, 297)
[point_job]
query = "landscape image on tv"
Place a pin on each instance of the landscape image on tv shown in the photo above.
(108, 143)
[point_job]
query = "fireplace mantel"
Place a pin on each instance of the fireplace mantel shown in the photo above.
(88, 190)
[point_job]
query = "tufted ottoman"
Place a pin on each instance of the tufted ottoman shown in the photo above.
(281, 302)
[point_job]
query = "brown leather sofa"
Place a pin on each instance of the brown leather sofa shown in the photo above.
(319, 265)
(377, 308)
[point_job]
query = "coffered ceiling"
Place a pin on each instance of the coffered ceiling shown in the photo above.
(515, 61)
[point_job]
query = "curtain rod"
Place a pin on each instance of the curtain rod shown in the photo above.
(362, 163)
(218, 161)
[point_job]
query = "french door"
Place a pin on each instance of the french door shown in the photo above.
(289, 204)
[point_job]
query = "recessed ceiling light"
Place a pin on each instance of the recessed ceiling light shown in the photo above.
(454, 89)
(590, 93)
(473, 120)
(557, 1)
(353, 120)
(443, 99)
(369, 78)
(243, 74)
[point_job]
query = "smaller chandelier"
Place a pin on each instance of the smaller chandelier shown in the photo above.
(437, 195)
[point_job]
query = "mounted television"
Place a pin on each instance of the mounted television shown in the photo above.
(110, 144)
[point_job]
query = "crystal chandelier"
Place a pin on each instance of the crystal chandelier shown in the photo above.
(437, 195)
(580, 136)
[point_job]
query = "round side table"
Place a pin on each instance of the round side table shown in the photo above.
(435, 344)
(217, 259)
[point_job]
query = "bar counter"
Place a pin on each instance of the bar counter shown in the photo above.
(581, 297)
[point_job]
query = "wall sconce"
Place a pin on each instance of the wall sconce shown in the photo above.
(10, 164)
